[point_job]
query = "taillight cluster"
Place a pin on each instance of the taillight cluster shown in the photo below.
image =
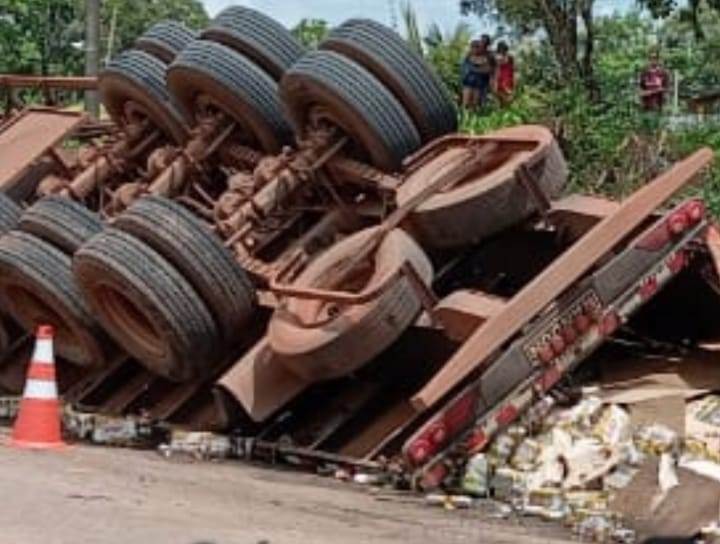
(686, 216)
(563, 338)
(695, 210)
(677, 223)
(438, 431)
(442, 427)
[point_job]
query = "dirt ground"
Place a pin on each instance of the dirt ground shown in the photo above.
(111, 496)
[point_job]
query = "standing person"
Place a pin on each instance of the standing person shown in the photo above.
(476, 71)
(505, 74)
(654, 84)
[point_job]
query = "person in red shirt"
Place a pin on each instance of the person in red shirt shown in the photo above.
(654, 84)
(504, 74)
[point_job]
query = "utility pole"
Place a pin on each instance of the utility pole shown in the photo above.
(92, 52)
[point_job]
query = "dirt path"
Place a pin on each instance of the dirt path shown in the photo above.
(102, 496)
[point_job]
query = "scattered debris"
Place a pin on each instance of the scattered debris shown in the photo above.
(476, 480)
(9, 407)
(449, 502)
(199, 445)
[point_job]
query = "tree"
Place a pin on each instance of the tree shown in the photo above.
(46, 36)
(692, 12)
(135, 16)
(40, 36)
(568, 25)
(311, 32)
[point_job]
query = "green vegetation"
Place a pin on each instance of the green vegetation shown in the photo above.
(311, 32)
(133, 17)
(46, 36)
(37, 36)
(612, 146)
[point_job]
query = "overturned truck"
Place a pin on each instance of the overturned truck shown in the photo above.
(298, 247)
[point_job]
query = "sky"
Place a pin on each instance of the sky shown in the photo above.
(443, 12)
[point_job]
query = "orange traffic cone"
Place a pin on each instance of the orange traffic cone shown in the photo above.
(38, 423)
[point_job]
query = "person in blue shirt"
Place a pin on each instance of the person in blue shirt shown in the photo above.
(477, 71)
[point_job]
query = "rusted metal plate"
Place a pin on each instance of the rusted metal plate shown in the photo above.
(260, 382)
(576, 214)
(58, 82)
(463, 311)
(29, 136)
(558, 277)
(586, 205)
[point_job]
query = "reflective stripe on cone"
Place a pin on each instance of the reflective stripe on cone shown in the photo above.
(38, 422)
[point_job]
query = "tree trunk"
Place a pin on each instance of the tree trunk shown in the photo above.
(562, 34)
(44, 45)
(92, 52)
(560, 21)
(695, 18)
(586, 66)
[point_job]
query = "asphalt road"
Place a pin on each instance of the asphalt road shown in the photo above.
(110, 496)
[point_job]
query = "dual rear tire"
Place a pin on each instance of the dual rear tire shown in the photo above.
(36, 282)
(166, 289)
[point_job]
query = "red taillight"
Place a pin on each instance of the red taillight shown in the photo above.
(656, 239)
(649, 287)
(545, 353)
(438, 433)
(609, 324)
(460, 413)
(477, 441)
(569, 334)
(678, 222)
(582, 323)
(506, 415)
(558, 344)
(439, 430)
(419, 451)
(548, 379)
(695, 211)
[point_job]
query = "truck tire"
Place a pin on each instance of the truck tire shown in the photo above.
(198, 255)
(470, 212)
(37, 287)
(10, 213)
(236, 85)
(348, 337)
(413, 82)
(137, 78)
(147, 306)
(62, 222)
(355, 101)
(258, 37)
(165, 40)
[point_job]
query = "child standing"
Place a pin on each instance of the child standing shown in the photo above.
(505, 74)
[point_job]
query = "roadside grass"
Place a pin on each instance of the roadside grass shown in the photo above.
(611, 149)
